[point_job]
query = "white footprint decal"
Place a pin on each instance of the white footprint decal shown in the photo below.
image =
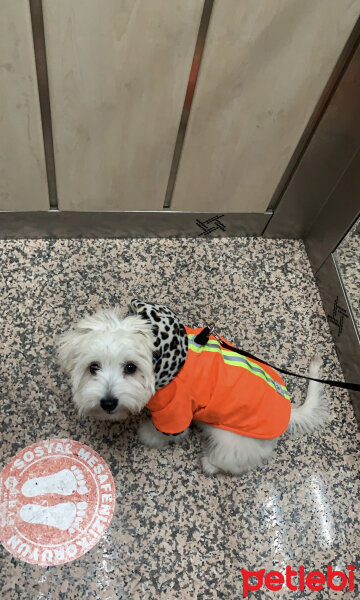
(62, 516)
(65, 482)
(80, 513)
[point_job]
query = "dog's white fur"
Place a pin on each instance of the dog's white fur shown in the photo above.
(112, 341)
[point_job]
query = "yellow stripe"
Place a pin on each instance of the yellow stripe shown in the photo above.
(228, 355)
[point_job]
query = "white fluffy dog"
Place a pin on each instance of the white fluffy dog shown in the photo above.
(118, 365)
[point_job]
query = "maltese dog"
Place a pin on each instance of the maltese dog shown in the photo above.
(119, 365)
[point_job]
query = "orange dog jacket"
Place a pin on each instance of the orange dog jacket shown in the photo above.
(225, 390)
(209, 383)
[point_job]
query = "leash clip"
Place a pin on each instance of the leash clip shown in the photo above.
(211, 328)
(217, 337)
(202, 338)
(213, 332)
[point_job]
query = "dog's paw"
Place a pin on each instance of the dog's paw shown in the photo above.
(151, 437)
(207, 467)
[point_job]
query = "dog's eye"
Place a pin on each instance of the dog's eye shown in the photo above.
(130, 368)
(94, 368)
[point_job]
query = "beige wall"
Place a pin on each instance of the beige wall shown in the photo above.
(264, 68)
(23, 184)
(118, 72)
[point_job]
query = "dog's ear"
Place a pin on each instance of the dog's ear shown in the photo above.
(68, 344)
(138, 326)
(66, 350)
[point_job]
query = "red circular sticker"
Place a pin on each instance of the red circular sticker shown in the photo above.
(57, 498)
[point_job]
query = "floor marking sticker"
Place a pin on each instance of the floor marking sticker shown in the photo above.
(57, 498)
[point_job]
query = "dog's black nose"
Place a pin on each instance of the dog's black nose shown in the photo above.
(109, 404)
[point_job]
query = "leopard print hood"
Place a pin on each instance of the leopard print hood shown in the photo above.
(171, 340)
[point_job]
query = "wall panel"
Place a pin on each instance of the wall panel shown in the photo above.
(264, 68)
(23, 183)
(118, 72)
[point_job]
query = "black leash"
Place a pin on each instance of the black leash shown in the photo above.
(203, 337)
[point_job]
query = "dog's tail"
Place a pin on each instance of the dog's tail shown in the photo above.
(314, 412)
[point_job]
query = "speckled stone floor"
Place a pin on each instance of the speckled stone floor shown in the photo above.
(177, 534)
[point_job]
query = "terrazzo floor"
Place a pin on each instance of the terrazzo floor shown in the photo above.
(176, 533)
